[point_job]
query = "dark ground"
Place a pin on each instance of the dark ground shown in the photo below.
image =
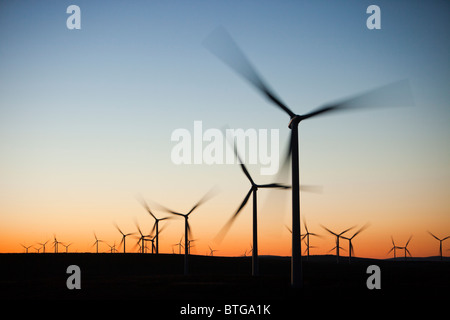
(159, 279)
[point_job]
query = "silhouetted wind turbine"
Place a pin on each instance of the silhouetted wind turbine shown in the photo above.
(179, 244)
(26, 248)
(211, 251)
(142, 239)
(43, 245)
(55, 243)
(112, 247)
(96, 241)
(440, 243)
(393, 248)
(253, 191)
(187, 228)
(156, 225)
(66, 246)
(406, 247)
(306, 235)
(350, 245)
(223, 46)
(123, 236)
(337, 235)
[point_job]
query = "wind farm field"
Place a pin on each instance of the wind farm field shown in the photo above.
(182, 155)
(216, 279)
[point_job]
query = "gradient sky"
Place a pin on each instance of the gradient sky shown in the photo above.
(86, 118)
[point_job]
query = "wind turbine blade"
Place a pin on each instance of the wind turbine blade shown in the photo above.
(392, 95)
(139, 229)
(153, 228)
(117, 227)
(241, 163)
(408, 241)
(289, 229)
(225, 48)
(360, 230)
(146, 207)
(160, 230)
(168, 210)
(304, 223)
(190, 235)
(408, 252)
(206, 197)
(329, 231)
(346, 230)
(434, 236)
(273, 185)
(285, 163)
(227, 226)
(312, 189)
(392, 239)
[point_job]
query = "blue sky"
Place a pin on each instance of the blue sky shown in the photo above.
(88, 113)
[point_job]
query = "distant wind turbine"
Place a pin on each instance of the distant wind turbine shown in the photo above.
(43, 246)
(66, 246)
(350, 245)
(112, 247)
(406, 247)
(55, 243)
(440, 242)
(394, 247)
(337, 235)
(179, 244)
(96, 241)
(123, 237)
(187, 228)
(156, 225)
(26, 247)
(211, 251)
(306, 235)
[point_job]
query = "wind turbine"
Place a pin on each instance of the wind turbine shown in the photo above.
(406, 247)
(112, 247)
(350, 245)
(156, 225)
(66, 246)
(141, 239)
(55, 243)
(211, 251)
(253, 191)
(187, 228)
(43, 246)
(191, 245)
(306, 235)
(26, 248)
(440, 243)
(96, 241)
(337, 235)
(393, 247)
(179, 244)
(123, 236)
(223, 46)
